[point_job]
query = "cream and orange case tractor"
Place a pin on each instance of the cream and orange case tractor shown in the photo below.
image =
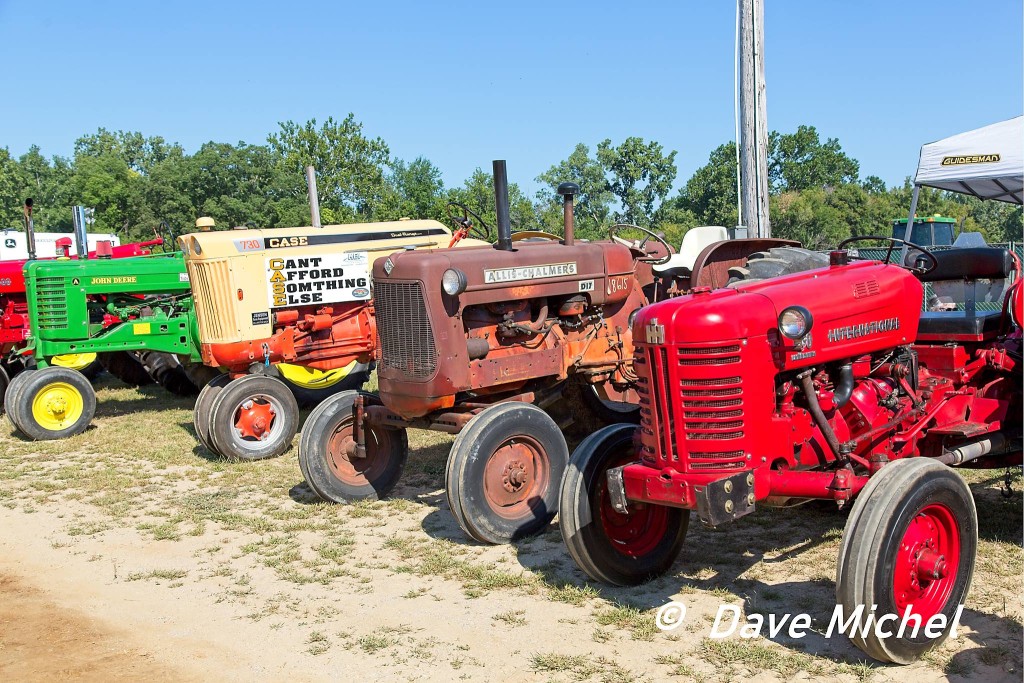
(291, 302)
(475, 342)
(827, 384)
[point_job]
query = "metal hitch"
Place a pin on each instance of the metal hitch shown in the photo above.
(726, 500)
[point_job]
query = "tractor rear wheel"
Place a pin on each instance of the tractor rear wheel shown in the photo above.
(200, 374)
(327, 453)
(776, 262)
(253, 418)
(503, 473)
(11, 395)
(203, 412)
(312, 386)
(5, 382)
(54, 403)
(125, 366)
(909, 544)
(609, 546)
(167, 371)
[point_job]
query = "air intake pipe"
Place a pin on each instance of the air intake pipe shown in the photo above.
(30, 230)
(501, 206)
(81, 239)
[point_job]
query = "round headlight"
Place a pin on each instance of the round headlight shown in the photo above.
(196, 249)
(795, 322)
(453, 282)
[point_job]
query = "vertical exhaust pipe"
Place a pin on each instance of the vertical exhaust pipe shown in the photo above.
(81, 240)
(501, 206)
(314, 199)
(30, 230)
(568, 191)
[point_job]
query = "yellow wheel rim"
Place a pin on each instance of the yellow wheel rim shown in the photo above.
(311, 378)
(57, 406)
(74, 361)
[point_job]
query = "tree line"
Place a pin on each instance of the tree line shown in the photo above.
(135, 182)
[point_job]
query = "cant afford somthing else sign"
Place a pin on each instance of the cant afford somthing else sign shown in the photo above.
(311, 280)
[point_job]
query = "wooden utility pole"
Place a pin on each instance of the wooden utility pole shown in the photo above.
(753, 121)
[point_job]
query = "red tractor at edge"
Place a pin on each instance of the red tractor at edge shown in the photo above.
(826, 384)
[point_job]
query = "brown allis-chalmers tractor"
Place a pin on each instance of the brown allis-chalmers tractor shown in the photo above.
(829, 384)
(489, 343)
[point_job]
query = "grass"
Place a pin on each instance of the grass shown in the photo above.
(256, 537)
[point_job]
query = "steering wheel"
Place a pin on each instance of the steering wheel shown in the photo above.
(639, 245)
(931, 265)
(165, 233)
(479, 229)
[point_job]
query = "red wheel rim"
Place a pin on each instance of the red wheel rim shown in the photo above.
(927, 561)
(640, 530)
(358, 471)
(515, 477)
(254, 418)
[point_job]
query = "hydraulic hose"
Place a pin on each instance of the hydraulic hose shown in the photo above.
(807, 384)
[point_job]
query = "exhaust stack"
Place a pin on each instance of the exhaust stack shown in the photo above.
(81, 239)
(314, 199)
(501, 206)
(30, 230)
(568, 191)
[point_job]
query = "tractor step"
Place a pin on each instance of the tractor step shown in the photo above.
(727, 499)
(962, 429)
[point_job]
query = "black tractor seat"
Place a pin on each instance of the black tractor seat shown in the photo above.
(951, 324)
(967, 265)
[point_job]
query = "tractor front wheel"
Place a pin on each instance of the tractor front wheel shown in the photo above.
(253, 418)
(54, 403)
(909, 546)
(503, 473)
(622, 549)
(202, 414)
(328, 459)
(11, 395)
(86, 363)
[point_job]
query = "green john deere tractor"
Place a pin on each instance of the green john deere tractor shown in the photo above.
(137, 305)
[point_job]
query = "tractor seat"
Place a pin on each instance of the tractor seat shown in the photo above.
(955, 325)
(972, 263)
(963, 268)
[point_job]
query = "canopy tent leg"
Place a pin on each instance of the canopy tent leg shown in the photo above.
(910, 222)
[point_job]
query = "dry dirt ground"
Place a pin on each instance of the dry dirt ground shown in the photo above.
(130, 553)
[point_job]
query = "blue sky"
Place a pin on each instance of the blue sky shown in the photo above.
(466, 82)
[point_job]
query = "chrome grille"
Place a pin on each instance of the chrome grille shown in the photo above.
(404, 335)
(52, 302)
(215, 307)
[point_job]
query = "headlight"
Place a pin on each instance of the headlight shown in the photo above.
(196, 249)
(795, 322)
(453, 282)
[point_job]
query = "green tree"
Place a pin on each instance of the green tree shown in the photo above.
(800, 161)
(640, 175)
(710, 193)
(417, 191)
(478, 194)
(592, 205)
(350, 166)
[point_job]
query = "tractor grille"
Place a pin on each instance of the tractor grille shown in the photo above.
(52, 299)
(404, 335)
(215, 305)
(698, 418)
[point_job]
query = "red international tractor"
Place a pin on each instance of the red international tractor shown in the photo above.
(827, 384)
(494, 343)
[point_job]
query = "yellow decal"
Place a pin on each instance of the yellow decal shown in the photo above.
(140, 328)
(287, 242)
(970, 159)
(119, 280)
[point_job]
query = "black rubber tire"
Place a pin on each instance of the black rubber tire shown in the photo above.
(37, 381)
(199, 374)
(267, 391)
(608, 412)
(93, 369)
(203, 411)
(167, 371)
(584, 535)
(776, 262)
(471, 455)
(387, 451)
(874, 531)
(125, 366)
(11, 396)
(308, 398)
(5, 382)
